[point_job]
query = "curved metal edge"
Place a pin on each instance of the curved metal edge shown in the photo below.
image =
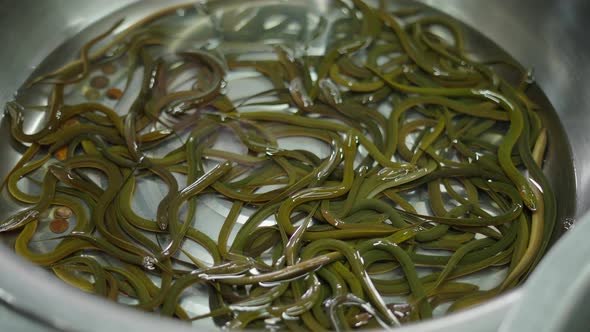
(485, 317)
(73, 314)
(37, 299)
(557, 289)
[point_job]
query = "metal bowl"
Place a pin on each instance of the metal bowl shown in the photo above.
(548, 35)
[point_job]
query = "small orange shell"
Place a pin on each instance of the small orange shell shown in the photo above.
(114, 93)
(62, 153)
(59, 226)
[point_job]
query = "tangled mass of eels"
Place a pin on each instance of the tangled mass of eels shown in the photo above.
(434, 171)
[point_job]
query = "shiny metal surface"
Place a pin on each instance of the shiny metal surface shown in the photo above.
(547, 35)
(558, 289)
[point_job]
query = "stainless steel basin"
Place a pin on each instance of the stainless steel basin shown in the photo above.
(548, 35)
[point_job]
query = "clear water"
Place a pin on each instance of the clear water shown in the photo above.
(228, 28)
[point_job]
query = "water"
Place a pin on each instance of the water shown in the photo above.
(249, 31)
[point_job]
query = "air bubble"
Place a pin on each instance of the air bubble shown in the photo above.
(530, 76)
(367, 99)
(149, 263)
(271, 151)
(568, 223)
